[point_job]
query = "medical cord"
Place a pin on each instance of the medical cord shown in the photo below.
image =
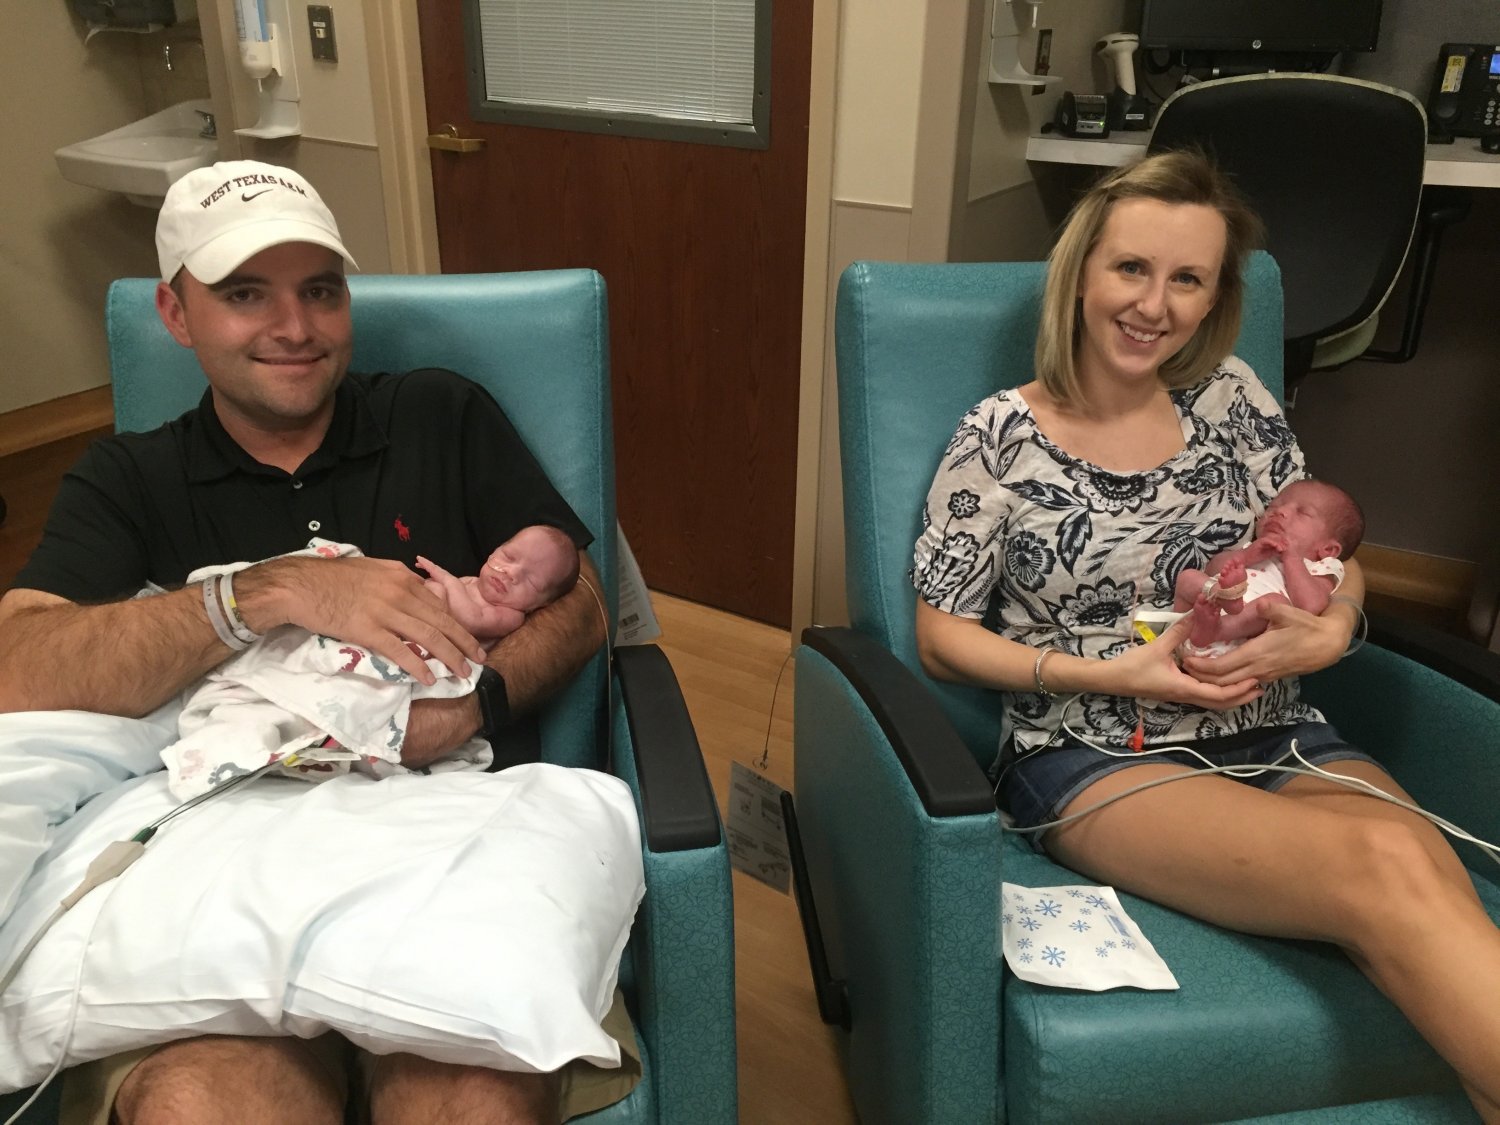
(1306, 769)
(609, 678)
(104, 868)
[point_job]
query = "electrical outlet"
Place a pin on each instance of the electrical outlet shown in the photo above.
(320, 29)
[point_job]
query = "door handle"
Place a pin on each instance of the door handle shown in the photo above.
(449, 141)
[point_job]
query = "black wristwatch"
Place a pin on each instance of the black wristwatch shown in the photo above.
(494, 704)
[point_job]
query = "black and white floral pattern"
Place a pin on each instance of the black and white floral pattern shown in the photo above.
(1051, 550)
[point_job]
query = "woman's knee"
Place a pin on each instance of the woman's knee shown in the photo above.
(1387, 871)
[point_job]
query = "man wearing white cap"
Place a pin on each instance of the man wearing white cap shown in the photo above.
(287, 444)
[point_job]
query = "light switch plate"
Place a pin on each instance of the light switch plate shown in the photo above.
(320, 30)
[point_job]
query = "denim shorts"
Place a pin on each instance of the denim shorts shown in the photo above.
(1038, 786)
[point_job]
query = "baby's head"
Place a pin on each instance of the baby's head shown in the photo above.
(535, 566)
(1318, 519)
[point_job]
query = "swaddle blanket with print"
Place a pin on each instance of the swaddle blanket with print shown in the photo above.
(1077, 937)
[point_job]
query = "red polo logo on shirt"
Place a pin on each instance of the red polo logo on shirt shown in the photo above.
(402, 530)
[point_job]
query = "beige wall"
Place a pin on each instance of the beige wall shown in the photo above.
(61, 244)
(930, 165)
(337, 149)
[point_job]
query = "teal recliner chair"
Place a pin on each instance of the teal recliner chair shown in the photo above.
(904, 854)
(539, 342)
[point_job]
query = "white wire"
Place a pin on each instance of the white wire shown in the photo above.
(1307, 769)
(15, 967)
(73, 1005)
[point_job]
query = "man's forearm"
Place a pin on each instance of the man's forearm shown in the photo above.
(120, 658)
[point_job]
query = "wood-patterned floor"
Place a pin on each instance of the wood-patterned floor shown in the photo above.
(788, 1063)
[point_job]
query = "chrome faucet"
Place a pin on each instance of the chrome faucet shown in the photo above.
(210, 128)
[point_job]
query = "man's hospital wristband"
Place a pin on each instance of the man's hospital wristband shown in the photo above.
(216, 618)
(232, 611)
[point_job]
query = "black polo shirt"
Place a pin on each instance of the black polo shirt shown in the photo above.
(422, 463)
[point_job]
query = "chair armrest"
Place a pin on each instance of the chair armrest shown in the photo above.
(1427, 707)
(677, 802)
(1464, 662)
(682, 943)
(908, 898)
(943, 772)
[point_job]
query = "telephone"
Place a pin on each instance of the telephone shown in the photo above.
(1465, 98)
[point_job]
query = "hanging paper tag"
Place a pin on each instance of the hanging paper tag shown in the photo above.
(757, 837)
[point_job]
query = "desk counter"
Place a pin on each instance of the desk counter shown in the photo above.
(1460, 164)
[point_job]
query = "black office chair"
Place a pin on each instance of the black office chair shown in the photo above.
(1334, 167)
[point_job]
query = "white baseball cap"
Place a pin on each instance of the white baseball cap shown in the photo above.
(214, 218)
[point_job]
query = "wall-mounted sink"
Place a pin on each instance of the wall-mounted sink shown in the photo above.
(141, 160)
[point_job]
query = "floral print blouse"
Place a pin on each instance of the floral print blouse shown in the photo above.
(1048, 549)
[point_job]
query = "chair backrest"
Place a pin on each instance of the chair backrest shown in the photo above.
(538, 342)
(1334, 167)
(918, 345)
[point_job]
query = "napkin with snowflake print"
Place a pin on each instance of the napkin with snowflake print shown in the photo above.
(1077, 937)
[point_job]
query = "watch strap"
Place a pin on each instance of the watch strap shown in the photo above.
(494, 703)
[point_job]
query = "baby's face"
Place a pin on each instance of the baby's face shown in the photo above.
(522, 571)
(1300, 516)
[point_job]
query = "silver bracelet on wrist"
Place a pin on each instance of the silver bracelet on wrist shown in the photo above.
(1036, 671)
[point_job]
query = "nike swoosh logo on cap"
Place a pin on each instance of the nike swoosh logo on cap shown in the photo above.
(244, 198)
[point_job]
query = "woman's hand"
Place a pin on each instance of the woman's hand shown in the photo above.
(1150, 671)
(1295, 642)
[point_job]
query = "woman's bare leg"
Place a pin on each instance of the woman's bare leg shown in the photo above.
(1305, 864)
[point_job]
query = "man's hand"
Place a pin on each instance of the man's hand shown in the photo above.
(377, 603)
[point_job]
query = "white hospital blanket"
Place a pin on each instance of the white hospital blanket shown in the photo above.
(291, 691)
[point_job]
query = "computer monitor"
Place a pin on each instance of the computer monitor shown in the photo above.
(1268, 27)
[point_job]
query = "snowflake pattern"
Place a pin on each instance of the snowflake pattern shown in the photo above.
(1056, 944)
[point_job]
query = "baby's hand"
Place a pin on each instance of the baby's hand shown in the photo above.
(1275, 542)
(439, 581)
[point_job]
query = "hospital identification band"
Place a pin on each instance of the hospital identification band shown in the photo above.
(223, 613)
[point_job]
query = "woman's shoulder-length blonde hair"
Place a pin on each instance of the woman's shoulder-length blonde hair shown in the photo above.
(1182, 176)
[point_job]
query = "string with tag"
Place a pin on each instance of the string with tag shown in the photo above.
(754, 825)
(765, 753)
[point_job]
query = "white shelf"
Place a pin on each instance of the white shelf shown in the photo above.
(1460, 164)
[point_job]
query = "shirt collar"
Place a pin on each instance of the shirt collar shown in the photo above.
(353, 432)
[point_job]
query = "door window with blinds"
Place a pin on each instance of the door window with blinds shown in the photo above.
(690, 70)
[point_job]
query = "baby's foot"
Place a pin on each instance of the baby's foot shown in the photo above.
(1231, 574)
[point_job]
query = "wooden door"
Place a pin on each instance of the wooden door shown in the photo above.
(701, 247)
